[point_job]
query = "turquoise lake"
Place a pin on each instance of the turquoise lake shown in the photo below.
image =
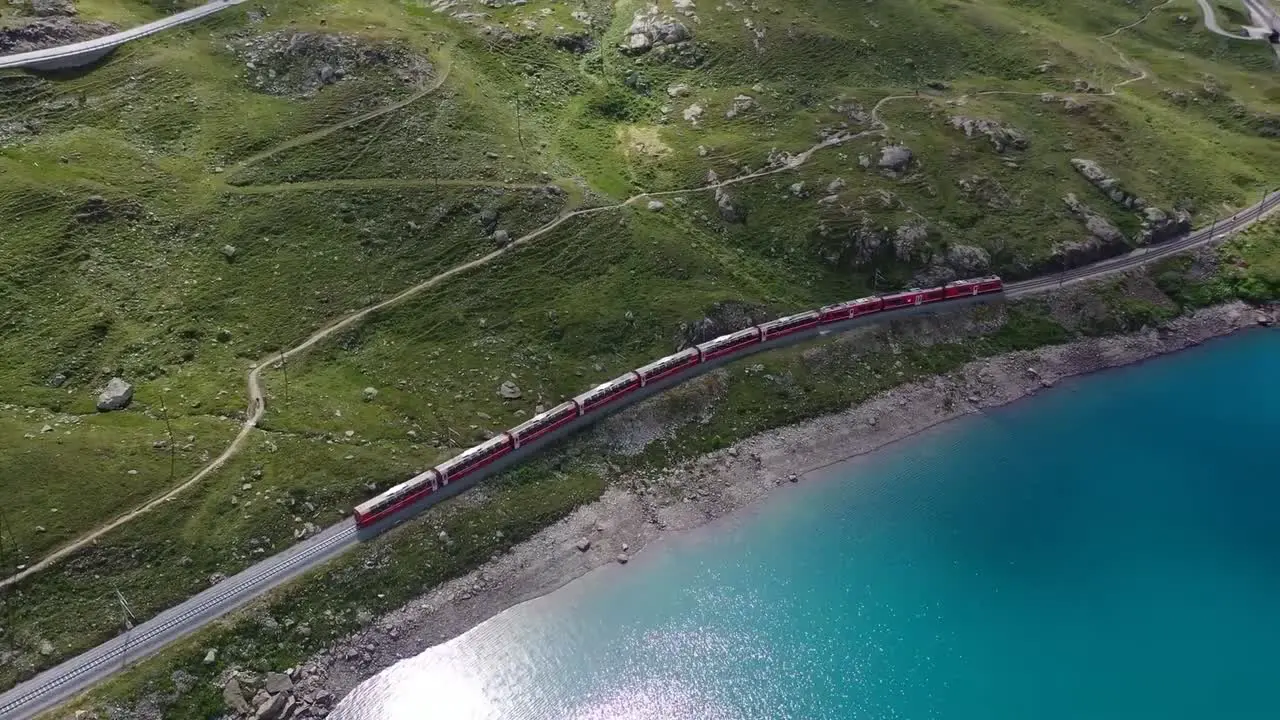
(1107, 549)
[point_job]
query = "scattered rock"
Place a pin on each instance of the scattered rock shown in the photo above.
(58, 380)
(835, 186)
(797, 189)
(693, 113)
(272, 708)
(501, 238)
(277, 683)
(741, 104)
(622, 558)
(678, 90)
(583, 545)
(233, 696)
(1002, 137)
(509, 390)
(656, 205)
(792, 477)
(368, 394)
(46, 648)
(116, 396)
(211, 657)
(229, 251)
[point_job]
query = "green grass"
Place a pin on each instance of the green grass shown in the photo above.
(346, 198)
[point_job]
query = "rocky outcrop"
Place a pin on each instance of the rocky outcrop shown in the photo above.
(1002, 137)
(578, 43)
(985, 190)
(959, 261)
(720, 318)
(730, 211)
(51, 8)
(1159, 226)
(50, 32)
(1108, 185)
(1105, 240)
(652, 29)
(299, 64)
(911, 243)
(116, 396)
(895, 159)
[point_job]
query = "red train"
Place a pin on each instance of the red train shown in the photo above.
(605, 394)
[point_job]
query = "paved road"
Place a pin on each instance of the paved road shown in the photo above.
(1211, 22)
(59, 683)
(81, 53)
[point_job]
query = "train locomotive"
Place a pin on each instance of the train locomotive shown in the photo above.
(603, 396)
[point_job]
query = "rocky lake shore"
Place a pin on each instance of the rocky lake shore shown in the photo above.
(637, 511)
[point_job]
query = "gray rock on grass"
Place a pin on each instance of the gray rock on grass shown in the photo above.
(116, 396)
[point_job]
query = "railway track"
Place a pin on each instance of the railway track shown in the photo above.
(57, 684)
(1141, 256)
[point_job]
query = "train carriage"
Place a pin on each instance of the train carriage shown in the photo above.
(668, 366)
(788, 325)
(851, 309)
(726, 344)
(913, 297)
(607, 392)
(543, 423)
(473, 459)
(454, 469)
(399, 496)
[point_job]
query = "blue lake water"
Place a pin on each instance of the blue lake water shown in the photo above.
(1107, 549)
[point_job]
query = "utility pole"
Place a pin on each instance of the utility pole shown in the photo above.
(519, 131)
(173, 457)
(284, 361)
(128, 619)
(8, 629)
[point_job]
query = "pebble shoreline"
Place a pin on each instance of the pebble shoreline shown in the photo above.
(624, 520)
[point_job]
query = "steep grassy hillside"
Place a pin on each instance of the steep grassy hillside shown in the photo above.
(204, 200)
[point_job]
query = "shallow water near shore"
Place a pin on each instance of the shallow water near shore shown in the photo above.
(1107, 549)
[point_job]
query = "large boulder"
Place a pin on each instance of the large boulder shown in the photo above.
(895, 158)
(116, 396)
(233, 696)
(1098, 226)
(1002, 137)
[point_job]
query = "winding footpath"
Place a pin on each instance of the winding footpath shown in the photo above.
(57, 684)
